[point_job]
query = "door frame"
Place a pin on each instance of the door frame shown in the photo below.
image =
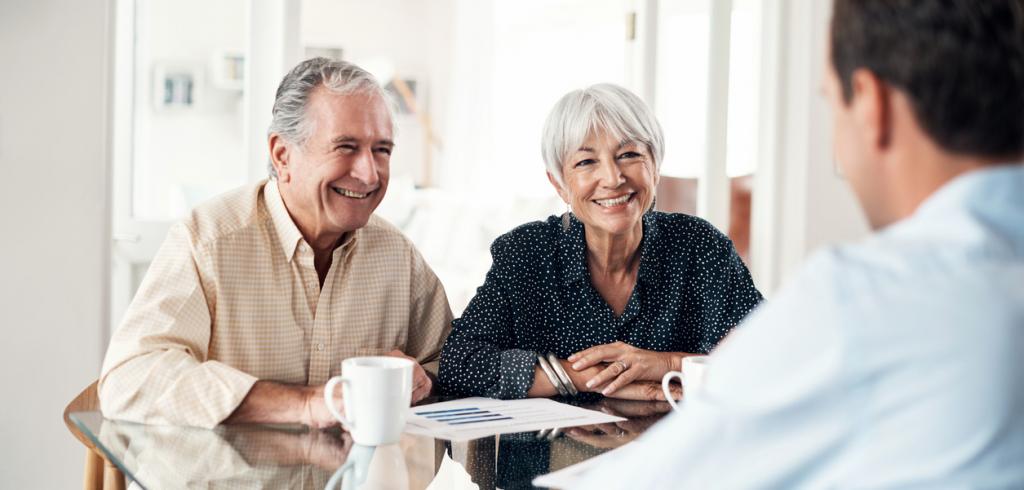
(274, 40)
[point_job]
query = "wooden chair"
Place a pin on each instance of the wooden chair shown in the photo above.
(100, 474)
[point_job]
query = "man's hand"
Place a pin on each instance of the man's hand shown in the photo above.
(421, 382)
(326, 449)
(261, 446)
(315, 413)
(275, 403)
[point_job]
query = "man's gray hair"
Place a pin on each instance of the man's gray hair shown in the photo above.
(340, 77)
(601, 107)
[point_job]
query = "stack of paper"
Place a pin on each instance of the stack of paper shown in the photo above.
(473, 418)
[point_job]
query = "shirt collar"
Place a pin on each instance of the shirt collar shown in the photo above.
(648, 254)
(994, 188)
(574, 250)
(287, 233)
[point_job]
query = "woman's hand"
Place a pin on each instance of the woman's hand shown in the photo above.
(637, 390)
(641, 415)
(644, 391)
(631, 409)
(625, 364)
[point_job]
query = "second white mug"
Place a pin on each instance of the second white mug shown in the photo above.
(691, 377)
(376, 392)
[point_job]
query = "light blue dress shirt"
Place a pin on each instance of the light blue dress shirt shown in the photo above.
(894, 362)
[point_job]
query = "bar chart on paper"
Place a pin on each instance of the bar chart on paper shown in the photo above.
(468, 415)
(472, 418)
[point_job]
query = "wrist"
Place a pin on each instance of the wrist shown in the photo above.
(577, 378)
(563, 374)
(674, 362)
(309, 396)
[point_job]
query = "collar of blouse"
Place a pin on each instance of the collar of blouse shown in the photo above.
(573, 249)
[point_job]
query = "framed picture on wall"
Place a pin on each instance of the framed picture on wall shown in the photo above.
(227, 71)
(408, 95)
(176, 86)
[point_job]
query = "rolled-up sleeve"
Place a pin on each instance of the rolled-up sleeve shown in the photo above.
(477, 359)
(156, 369)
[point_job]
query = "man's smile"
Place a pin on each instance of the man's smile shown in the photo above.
(341, 191)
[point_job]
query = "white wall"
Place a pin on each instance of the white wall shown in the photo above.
(186, 156)
(404, 38)
(832, 213)
(801, 203)
(53, 143)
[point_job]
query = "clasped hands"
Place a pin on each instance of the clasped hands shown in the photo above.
(619, 370)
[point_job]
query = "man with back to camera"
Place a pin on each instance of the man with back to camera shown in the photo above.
(896, 361)
(257, 296)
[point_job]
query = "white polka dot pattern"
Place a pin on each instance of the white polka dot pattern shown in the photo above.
(692, 288)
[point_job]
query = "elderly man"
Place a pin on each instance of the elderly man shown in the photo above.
(255, 299)
(897, 361)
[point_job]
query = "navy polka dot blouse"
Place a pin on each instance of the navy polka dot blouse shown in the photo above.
(692, 288)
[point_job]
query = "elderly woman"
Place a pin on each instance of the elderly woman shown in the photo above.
(610, 296)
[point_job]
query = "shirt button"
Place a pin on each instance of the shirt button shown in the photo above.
(320, 346)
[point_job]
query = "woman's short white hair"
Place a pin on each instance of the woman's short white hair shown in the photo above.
(599, 108)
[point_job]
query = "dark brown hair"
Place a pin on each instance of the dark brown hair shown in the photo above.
(960, 62)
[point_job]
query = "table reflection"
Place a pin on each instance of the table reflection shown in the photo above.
(640, 416)
(265, 456)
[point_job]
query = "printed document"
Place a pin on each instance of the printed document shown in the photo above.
(473, 418)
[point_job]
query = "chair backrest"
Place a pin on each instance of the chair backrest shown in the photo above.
(86, 401)
(100, 473)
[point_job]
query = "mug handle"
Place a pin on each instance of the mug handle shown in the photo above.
(342, 474)
(665, 380)
(358, 473)
(329, 400)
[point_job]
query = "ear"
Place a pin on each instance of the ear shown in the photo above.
(871, 109)
(280, 153)
(558, 188)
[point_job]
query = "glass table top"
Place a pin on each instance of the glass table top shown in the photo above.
(285, 456)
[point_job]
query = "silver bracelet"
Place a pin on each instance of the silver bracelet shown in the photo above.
(562, 375)
(552, 377)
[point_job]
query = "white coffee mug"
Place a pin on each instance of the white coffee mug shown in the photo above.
(376, 392)
(691, 377)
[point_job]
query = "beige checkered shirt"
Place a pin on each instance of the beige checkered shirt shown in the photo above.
(232, 297)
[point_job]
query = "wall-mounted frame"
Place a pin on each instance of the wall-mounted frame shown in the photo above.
(177, 86)
(227, 70)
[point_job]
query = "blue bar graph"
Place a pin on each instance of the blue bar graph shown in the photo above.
(478, 421)
(453, 410)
